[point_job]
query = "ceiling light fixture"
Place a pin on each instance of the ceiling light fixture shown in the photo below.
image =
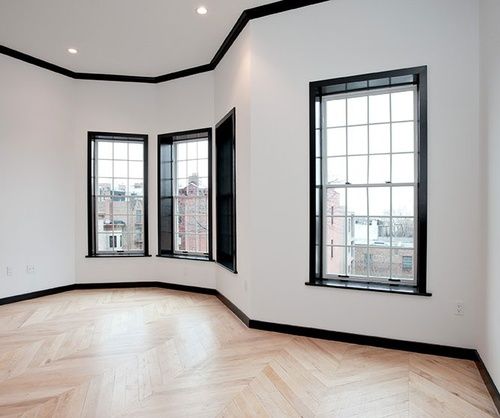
(202, 10)
(72, 51)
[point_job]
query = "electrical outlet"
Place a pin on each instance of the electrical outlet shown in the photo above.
(9, 271)
(30, 269)
(459, 308)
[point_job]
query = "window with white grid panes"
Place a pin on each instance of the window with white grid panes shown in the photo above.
(369, 176)
(184, 180)
(191, 196)
(118, 175)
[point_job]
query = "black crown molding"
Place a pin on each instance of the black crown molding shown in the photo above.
(389, 343)
(245, 17)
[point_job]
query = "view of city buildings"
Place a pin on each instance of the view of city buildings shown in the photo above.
(119, 194)
(361, 246)
(191, 196)
(192, 217)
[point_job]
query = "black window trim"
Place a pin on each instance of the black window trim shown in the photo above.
(91, 237)
(170, 138)
(355, 83)
(230, 114)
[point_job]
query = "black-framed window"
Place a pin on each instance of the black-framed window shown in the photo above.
(368, 168)
(117, 194)
(225, 135)
(185, 194)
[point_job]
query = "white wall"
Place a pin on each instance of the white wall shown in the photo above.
(232, 89)
(490, 122)
(350, 37)
(36, 171)
(143, 109)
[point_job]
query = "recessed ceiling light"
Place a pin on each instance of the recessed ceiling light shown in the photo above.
(72, 51)
(202, 10)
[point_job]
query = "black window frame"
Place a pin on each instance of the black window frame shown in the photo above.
(91, 237)
(170, 139)
(231, 118)
(415, 76)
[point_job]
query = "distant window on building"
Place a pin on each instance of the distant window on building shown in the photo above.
(368, 190)
(185, 194)
(407, 263)
(117, 190)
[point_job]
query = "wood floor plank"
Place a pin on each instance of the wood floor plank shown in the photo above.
(165, 353)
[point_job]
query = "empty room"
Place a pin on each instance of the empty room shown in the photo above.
(249, 208)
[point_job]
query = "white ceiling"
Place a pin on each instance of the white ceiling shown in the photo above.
(130, 37)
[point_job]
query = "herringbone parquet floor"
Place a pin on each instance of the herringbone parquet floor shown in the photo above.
(161, 353)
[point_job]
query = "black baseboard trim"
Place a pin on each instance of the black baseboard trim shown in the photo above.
(233, 308)
(162, 285)
(37, 294)
(346, 337)
(488, 381)
(118, 285)
(245, 17)
(410, 346)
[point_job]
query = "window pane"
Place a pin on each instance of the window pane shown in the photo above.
(335, 231)
(403, 232)
(181, 169)
(104, 186)
(357, 230)
(379, 260)
(380, 169)
(120, 187)
(120, 169)
(403, 168)
(136, 187)
(336, 141)
(136, 169)
(202, 149)
(358, 170)
(192, 150)
(104, 168)
(379, 231)
(335, 204)
(357, 202)
(380, 201)
(357, 261)
(357, 110)
(192, 169)
(402, 106)
(202, 244)
(335, 260)
(379, 108)
(380, 139)
(403, 137)
(203, 168)
(335, 113)
(357, 140)
(403, 264)
(120, 150)
(136, 151)
(402, 201)
(337, 170)
(181, 151)
(105, 150)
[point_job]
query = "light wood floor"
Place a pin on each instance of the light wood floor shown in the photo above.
(154, 352)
